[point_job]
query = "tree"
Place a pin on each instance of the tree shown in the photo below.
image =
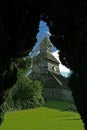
(23, 63)
(25, 94)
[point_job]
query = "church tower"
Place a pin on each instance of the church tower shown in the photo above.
(46, 69)
(45, 61)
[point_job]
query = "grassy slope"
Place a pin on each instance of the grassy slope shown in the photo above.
(44, 118)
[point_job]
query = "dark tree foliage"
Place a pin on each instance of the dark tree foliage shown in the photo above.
(24, 94)
(23, 63)
(67, 20)
(8, 77)
(70, 20)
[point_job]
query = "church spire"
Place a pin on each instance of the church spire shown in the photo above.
(45, 45)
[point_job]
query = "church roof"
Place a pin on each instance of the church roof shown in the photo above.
(46, 42)
(46, 49)
(51, 57)
(62, 81)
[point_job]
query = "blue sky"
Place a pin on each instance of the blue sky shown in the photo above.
(44, 30)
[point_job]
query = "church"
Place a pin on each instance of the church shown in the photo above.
(45, 68)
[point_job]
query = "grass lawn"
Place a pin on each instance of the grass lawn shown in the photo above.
(48, 117)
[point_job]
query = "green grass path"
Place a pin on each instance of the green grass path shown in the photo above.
(43, 118)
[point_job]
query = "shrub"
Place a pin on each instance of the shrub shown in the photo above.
(24, 94)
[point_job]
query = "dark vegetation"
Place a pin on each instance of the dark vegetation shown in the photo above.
(61, 105)
(19, 21)
(25, 93)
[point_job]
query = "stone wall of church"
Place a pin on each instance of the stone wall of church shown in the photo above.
(57, 94)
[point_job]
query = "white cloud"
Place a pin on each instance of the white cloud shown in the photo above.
(55, 53)
(61, 67)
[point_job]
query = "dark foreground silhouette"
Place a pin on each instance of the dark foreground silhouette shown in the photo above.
(67, 21)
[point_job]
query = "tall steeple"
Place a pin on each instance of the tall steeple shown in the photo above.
(45, 45)
(45, 61)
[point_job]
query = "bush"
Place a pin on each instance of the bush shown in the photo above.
(24, 94)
